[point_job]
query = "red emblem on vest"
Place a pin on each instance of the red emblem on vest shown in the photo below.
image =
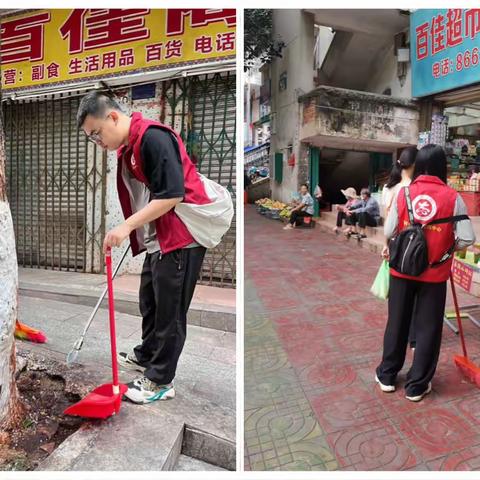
(424, 208)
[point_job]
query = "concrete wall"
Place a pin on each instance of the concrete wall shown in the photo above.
(385, 76)
(361, 123)
(295, 28)
(342, 114)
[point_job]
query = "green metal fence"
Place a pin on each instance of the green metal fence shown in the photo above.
(203, 109)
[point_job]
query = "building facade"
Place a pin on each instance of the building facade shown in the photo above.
(341, 104)
(175, 66)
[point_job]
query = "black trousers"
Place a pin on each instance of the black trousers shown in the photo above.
(363, 219)
(166, 290)
(296, 214)
(340, 217)
(425, 304)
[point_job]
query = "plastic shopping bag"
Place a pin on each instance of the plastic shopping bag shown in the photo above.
(381, 284)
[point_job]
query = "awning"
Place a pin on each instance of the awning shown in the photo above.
(459, 97)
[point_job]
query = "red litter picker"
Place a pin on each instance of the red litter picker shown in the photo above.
(105, 400)
(464, 364)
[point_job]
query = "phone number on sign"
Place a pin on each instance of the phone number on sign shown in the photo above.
(462, 61)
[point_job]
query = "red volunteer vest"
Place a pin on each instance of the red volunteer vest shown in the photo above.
(431, 199)
(172, 233)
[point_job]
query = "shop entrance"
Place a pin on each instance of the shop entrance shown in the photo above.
(336, 169)
(463, 151)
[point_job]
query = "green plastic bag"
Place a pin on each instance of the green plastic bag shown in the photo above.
(381, 284)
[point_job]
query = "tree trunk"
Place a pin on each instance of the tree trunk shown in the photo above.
(10, 406)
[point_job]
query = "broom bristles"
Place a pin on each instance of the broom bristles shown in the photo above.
(24, 332)
(468, 369)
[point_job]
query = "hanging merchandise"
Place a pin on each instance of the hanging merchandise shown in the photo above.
(439, 131)
(423, 139)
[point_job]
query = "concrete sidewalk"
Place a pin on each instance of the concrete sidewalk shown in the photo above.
(313, 337)
(211, 307)
(200, 421)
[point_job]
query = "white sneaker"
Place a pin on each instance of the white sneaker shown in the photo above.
(385, 388)
(417, 398)
(143, 390)
(129, 360)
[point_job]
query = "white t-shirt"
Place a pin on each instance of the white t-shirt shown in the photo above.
(389, 194)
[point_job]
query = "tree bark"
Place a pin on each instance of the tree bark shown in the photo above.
(10, 405)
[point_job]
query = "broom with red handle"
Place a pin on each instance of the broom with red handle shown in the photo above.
(464, 364)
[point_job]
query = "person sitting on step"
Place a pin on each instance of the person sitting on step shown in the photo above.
(365, 213)
(352, 198)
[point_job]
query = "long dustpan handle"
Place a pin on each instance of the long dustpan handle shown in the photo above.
(459, 319)
(111, 316)
(102, 296)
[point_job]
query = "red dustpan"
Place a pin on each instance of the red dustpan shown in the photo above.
(105, 400)
(463, 363)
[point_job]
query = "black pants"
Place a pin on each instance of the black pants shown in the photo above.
(340, 217)
(296, 214)
(425, 304)
(363, 219)
(166, 290)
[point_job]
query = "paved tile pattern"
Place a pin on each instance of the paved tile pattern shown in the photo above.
(313, 337)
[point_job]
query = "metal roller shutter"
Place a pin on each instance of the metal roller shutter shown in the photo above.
(203, 109)
(56, 186)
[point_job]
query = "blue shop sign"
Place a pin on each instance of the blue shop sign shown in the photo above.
(445, 49)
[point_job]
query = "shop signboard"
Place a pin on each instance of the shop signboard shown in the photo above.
(462, 274)
(49, 47)
(445, 49)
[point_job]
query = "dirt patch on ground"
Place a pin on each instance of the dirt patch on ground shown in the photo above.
(44, 426)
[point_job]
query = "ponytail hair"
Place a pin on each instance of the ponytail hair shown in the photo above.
(406, 160)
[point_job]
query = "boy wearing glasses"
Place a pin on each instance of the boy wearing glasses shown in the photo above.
(154, 174)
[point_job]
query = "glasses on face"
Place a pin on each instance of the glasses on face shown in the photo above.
(96, 136)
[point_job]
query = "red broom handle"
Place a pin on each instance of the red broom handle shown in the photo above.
(111, 314)
(459, 318)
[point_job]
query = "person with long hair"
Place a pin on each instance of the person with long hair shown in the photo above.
(422, 298)
(400, 176)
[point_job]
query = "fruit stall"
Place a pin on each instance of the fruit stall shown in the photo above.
(273, 209)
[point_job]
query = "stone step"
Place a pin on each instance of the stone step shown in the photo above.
(85, 290)
(189, 464)
(332, 218)
(372, 243)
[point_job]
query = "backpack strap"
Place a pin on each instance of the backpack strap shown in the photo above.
(409, 206)
(446, 256)
(455, 218)
(449, 252)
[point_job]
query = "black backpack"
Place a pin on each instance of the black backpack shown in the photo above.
(408, 250)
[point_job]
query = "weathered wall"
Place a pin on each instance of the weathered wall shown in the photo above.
(295, 28)
(355, 120)
(356, 115)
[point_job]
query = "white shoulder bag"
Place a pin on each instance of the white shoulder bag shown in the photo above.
(208, 223)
